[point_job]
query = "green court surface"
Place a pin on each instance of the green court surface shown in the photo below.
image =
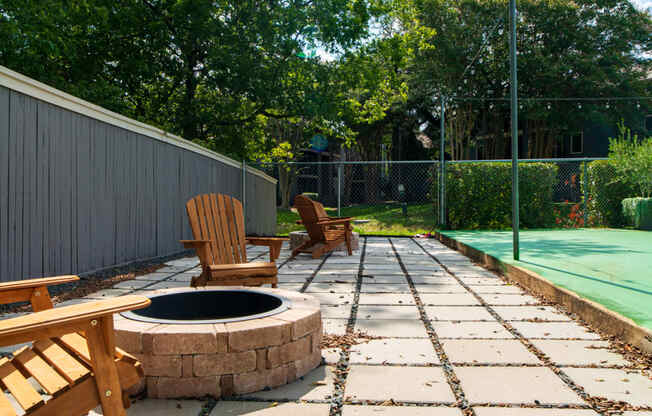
(610, 267)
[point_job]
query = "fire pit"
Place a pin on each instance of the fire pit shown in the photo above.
(221, 341)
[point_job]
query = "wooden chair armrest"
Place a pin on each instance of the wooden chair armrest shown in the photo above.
(59, 321)
(194, 243)
(266, 241)
(335, 222)
(43, 281)
(33, 290)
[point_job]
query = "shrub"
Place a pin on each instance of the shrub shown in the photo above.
(631, 157)
(638, 212)
(479, 195)
(606, 192)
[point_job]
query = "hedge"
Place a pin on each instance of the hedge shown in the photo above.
(638, 212)
(606, 194)
(479, 195)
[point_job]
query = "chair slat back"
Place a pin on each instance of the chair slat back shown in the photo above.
(219, 219)
(309, 213)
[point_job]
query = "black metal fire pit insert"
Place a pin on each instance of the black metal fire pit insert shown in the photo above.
(209, 307)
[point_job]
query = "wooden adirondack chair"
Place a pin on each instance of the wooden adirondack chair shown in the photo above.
(326, 233)
(72, 357)
(217, 224)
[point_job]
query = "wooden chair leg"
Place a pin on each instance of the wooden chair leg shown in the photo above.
(101, 345)
(347, 238)
(303, 246)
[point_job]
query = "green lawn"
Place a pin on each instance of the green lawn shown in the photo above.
(384, 219)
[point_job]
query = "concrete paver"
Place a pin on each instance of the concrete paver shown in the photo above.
(440, 288)
(385, 288)
(387, 312)
(386, 299)
(504, 288)
(448, 299)
(316, 385)
(410, 328)
(405, 384)
(330, 288)
(488, 351)
(350, 410)
(629, 386)
(394, 351)
(333, 298)
(336, 311)
(334, 326)
(575, 353)
(553, 330)
(503, 411)
(524, 313)
(509, 299)
(241, 408)
(518, 385)
(458, 313)
(447, 329)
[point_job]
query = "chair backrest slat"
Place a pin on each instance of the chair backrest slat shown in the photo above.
(239, 222)
(233, 229)
(221, 247)
(219, 219)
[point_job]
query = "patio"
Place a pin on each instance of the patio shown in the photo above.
(454, 339)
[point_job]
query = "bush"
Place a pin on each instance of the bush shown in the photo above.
(605, 194)
(479, 195)
(631, 157)
(638, 212)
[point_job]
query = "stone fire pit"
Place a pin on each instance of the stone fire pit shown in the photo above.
(220, 341)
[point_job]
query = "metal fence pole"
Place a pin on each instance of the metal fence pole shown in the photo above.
(585, 185)
(442, 161)
(339, 190)
(514, 111)
(244, 190)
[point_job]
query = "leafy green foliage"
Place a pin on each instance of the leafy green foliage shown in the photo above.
(631, 157)
(203, 69)
(605, 194)
(638, 212)
(479, 195)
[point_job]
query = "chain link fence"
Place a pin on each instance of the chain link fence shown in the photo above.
(558, 192)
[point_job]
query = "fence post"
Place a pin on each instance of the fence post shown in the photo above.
(585, 185)
(244, 190)
(442, 161)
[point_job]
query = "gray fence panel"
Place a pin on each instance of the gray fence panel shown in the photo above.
(4, 182)
(80, 194)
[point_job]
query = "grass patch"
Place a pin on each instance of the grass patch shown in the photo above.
(384, 219)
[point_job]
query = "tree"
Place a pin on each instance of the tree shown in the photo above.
(580, 48)
(199, 68)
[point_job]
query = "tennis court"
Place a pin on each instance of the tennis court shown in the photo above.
(611, 267)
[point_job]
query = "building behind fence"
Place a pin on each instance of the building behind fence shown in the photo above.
(82, 188)
(558, 192)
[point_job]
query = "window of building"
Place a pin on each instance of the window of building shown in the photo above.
(577, 143)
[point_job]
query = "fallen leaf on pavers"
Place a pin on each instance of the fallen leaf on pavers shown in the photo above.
(430, 383)
(319, 383)
(389, 402)
(274, 404)
(600, 380)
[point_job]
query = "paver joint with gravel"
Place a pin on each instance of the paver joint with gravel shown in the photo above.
(417, 329)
